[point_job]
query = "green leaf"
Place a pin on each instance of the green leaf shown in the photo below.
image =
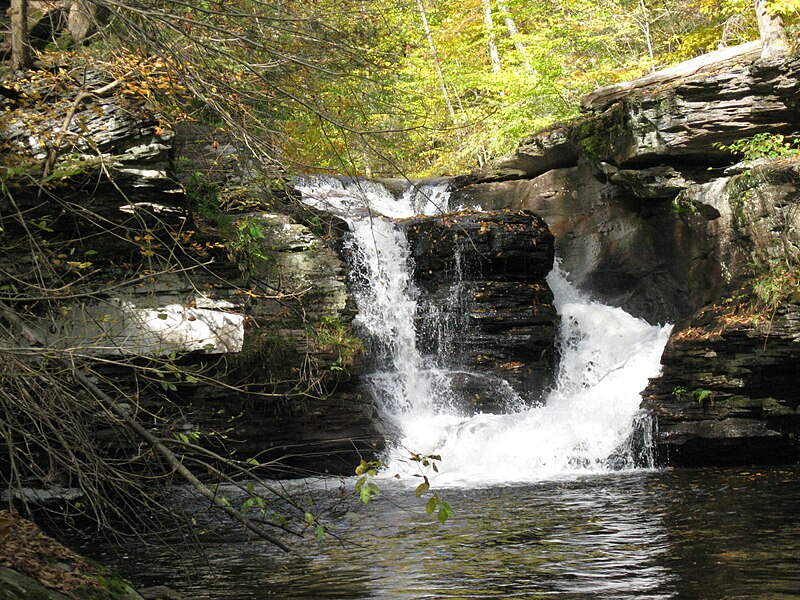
(433, 501)
(319, 532)
(445, 512)
(422, 488)
(309, 518)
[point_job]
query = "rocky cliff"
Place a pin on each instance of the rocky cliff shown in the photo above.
(215, 304)
(651, 212)
(491, 311)
(648, 211)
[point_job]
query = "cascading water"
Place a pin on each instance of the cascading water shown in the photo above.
(607, 357)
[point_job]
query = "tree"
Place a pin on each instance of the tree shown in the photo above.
(83, 19)
(436, 62)
(774, 42)
(490, 37)
(514, 34)
(21, 57)
(54, 399)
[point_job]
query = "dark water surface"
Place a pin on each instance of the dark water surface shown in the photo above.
(669, 534)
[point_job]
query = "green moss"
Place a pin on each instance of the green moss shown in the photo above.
(598, 136)
(335, 336)
(778, 286)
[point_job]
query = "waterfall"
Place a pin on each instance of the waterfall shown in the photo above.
(586, 420)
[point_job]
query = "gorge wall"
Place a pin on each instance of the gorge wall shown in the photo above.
(650, 214)
(646, 212)
(232, 327)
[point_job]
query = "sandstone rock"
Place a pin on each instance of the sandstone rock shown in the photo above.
(485, 275)
(678, 125)
(265, 315)
(650, 214)
(727, 395)
(640, 254)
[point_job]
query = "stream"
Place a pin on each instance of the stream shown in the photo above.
(704, 533)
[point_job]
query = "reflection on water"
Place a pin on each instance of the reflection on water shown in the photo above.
(669, 534)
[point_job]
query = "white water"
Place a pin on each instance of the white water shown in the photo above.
(607, 357)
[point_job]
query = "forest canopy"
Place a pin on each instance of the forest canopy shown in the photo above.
(422, 87)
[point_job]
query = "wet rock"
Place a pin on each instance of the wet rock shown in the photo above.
(493, 317)
(642, 254)
(650, 214)
(160, 592)
(642, 206)
(267, 316)
(728, 392)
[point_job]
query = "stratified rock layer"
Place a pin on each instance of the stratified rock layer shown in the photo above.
(494, 316)
(652, 215)
(255, 307)
(631, 194)
(728, 394)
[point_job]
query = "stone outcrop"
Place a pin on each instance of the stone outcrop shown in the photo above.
(632, 252)
(627, 191)
(493, 315)
(257, 301)
(679, 124)
(728, 393)
(650, 213)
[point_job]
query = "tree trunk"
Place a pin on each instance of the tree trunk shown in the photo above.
(701, 66)
(645, 27)
(513, 32)
(21, 57)
(437, 65)
(83, 20)
(774, 43)
(489, 22)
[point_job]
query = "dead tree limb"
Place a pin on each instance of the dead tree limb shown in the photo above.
(140, 431)
(702, 66)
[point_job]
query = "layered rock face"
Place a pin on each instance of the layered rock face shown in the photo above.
(492, 312)
(650, 214)
(728, 393)
(631, 193)
(245, 319)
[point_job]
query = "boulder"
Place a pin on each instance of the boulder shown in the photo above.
(642, 254)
